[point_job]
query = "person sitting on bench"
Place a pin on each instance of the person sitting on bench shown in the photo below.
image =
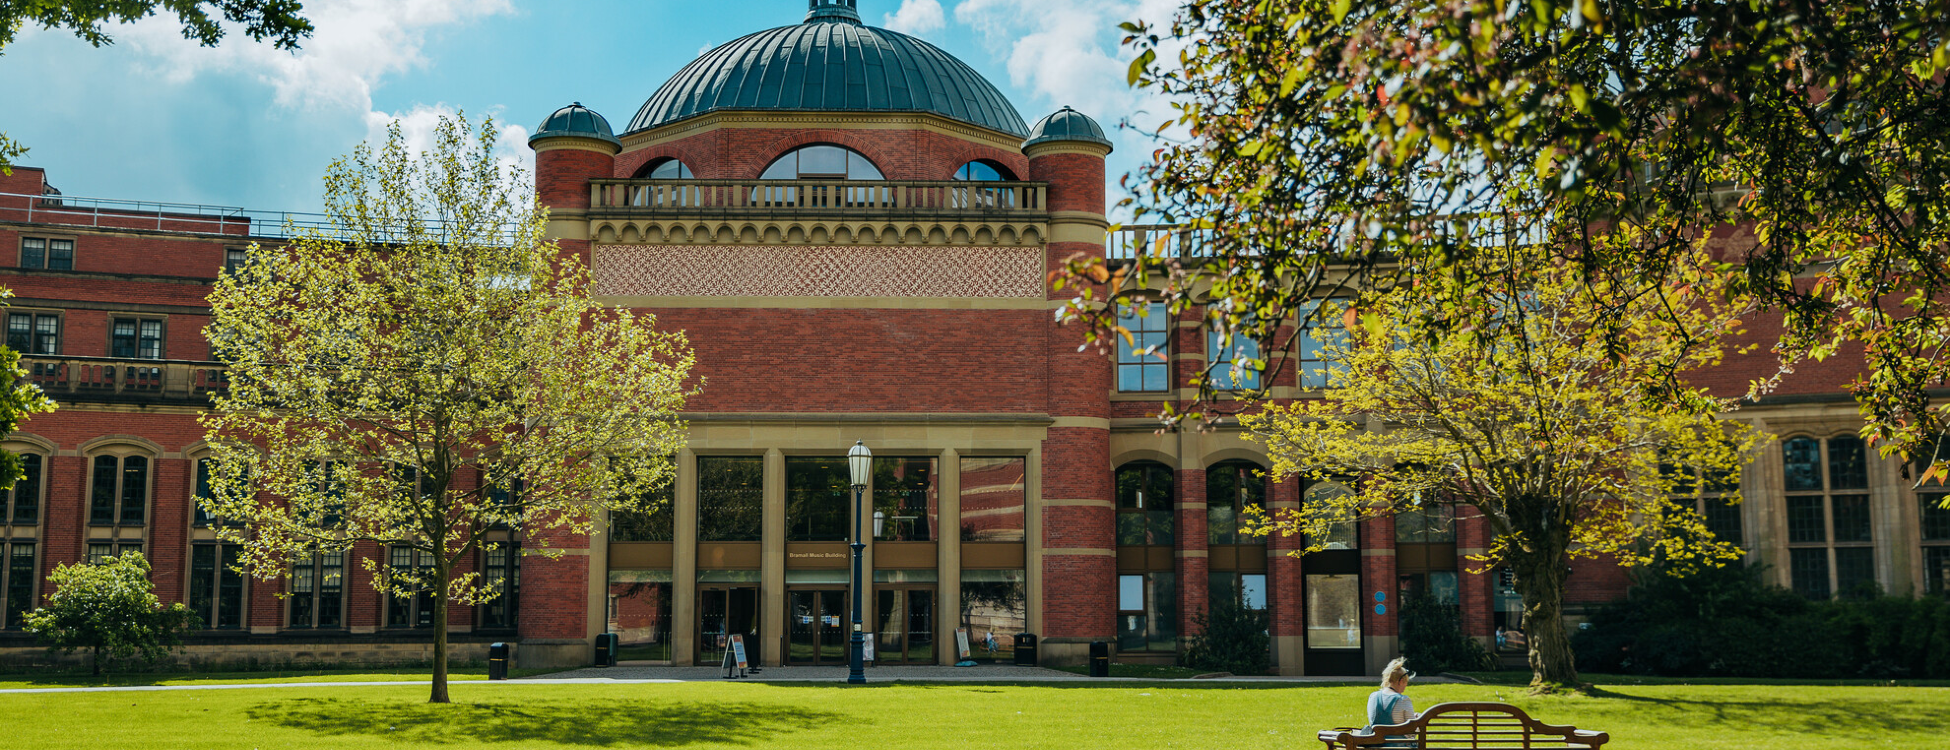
(1390, 704)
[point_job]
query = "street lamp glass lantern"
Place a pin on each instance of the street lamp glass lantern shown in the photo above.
(859, 462)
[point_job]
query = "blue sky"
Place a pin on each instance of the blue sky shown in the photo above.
(159, 119)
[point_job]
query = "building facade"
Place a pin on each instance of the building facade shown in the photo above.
(855, 231)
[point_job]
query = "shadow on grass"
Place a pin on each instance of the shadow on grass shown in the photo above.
(608, 723)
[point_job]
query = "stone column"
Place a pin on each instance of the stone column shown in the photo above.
(683, 573)
(947, 547)
(771, 586)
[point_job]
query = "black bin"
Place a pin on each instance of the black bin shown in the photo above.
(606, 645)
(498, 661)
(1025, 650)
(1099, 659)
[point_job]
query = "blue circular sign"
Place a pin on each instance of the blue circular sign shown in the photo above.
(1381, 596)
(1381, 609)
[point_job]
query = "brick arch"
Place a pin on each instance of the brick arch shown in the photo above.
(693, 152)
(880, 153)
(1214, 458)
(111, 442)
(968, 152)
(39, 444)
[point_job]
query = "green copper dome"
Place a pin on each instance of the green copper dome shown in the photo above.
(830, 63)
(575, 120)
(1066, 125)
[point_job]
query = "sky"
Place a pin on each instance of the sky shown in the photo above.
(156, 118)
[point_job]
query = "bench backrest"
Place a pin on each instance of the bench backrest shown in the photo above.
(1471, 726)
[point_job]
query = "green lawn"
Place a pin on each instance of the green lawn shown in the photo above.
(417, 674)
(1141, 671)
(1066, 716)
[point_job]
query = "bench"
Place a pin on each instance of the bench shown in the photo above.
(1468, 726)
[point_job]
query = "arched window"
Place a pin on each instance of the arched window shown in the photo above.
(1230, 488)
(666, 169)
(119, 491)
(822, 163)
(984, 171)
(1147, 591)
(1145, 503)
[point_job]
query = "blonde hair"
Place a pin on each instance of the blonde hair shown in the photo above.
(1395, 671)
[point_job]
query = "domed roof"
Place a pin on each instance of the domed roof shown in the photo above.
(1066, 125)
(830, 63)
(575, 120)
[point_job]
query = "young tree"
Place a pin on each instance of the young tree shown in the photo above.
(277, 20)
(1562, 435)
(430, 374)
(109, 609)
(1807, 139)
(17, 403)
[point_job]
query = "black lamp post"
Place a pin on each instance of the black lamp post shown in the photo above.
(859, 462)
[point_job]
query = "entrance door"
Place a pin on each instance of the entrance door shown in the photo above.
(724, 611)
(818, 626)
(906, 625)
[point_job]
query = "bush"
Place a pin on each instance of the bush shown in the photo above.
(110, 610)
(1230, 638)
(1433, 641)
(1728, 622)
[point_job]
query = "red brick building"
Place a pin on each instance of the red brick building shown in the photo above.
(854, 229)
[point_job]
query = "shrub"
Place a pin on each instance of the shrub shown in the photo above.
(109, 609)
(1433, 640)
(1230, 638)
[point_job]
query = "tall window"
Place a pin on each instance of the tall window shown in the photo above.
(1831, 537)
(415, 611)
(906, 501)
(53, 255)
(822, 163)
(1333, 611)
(17, 579)
(318, 591)
(730, 499)
(501, 573)
(1932, 497)
(1231, 488)
(34, 333)
(1144, 360)
(817, 494)
(1319, 330)
(119, 491)
(653, 525)
(22, 504)
(216, 587)
(992, 499)
(1227, 353)
(1146, 501)
(1147, 611)
(135, 338)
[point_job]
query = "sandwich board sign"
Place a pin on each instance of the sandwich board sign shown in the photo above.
(735, 665)
(961, 643)
(866, 649)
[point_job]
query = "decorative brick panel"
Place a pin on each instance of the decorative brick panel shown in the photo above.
(818, 271)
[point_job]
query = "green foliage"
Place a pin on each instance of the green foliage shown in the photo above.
(277, 20)
(10, 150)
(1230, 637)
(1433, 640)
(22, 400)
(1730, 623)
(109, 610)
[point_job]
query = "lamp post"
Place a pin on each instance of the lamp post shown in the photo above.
(859, 462)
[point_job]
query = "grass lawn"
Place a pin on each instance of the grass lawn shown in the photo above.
(1066, 716)
(1140, 671)
(418, 674)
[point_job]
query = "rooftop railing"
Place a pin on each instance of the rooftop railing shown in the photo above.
(1169, 240)
(837, 197)
(191, 218)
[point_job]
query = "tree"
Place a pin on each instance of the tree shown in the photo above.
(1804, 140)
(1560, 434)
(109, 609)
(277, 20)
(430, 374)
(23, 400)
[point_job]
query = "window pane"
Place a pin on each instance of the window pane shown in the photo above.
(1343, 535)
(101, 496)
(230, 588)
(654, 525)
(26, 494)
(1805, 522)
(1723, 519)
(1801, 462)
(906, 503)
(639, 614)
(1224, 355)
(203, 582)
(135, 489)
(992, 499)
(1252, 590)
(669, 170)
(1130, 593)
(1936, 570)
(995, 609)
(1222, 586)
(1848, 468)
(1333, 611)
(859, 168)
(331, 588)
(730, 499)
(60, 255)
(822, 160)
(1936, 518)
(1855, 569)
(1809, 570)
(33, 253)
(817, 492)
(21, 575)
(20, 333)
(1852, 519)
(47, 334)
(151, 340)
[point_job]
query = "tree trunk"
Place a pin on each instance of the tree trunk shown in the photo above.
(95, 662)
(440, 642)
(1540, 579)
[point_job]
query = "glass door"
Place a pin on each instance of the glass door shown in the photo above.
(818, 626)
(724, 611)
(906, 625)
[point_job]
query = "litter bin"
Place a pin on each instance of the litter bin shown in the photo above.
(606, 645)
(497, 661)
(1025, 650)
(1099, 659)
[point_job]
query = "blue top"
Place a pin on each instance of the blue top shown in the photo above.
(1381, 709)
(830, 63)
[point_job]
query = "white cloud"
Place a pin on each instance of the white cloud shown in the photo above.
(417, 127)
(1070, 52)
(916, 17)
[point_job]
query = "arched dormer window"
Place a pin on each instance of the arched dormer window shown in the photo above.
(666, 169)
(822, 162)
(983, 170)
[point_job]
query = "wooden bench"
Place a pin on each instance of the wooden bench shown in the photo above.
(1468, 726)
